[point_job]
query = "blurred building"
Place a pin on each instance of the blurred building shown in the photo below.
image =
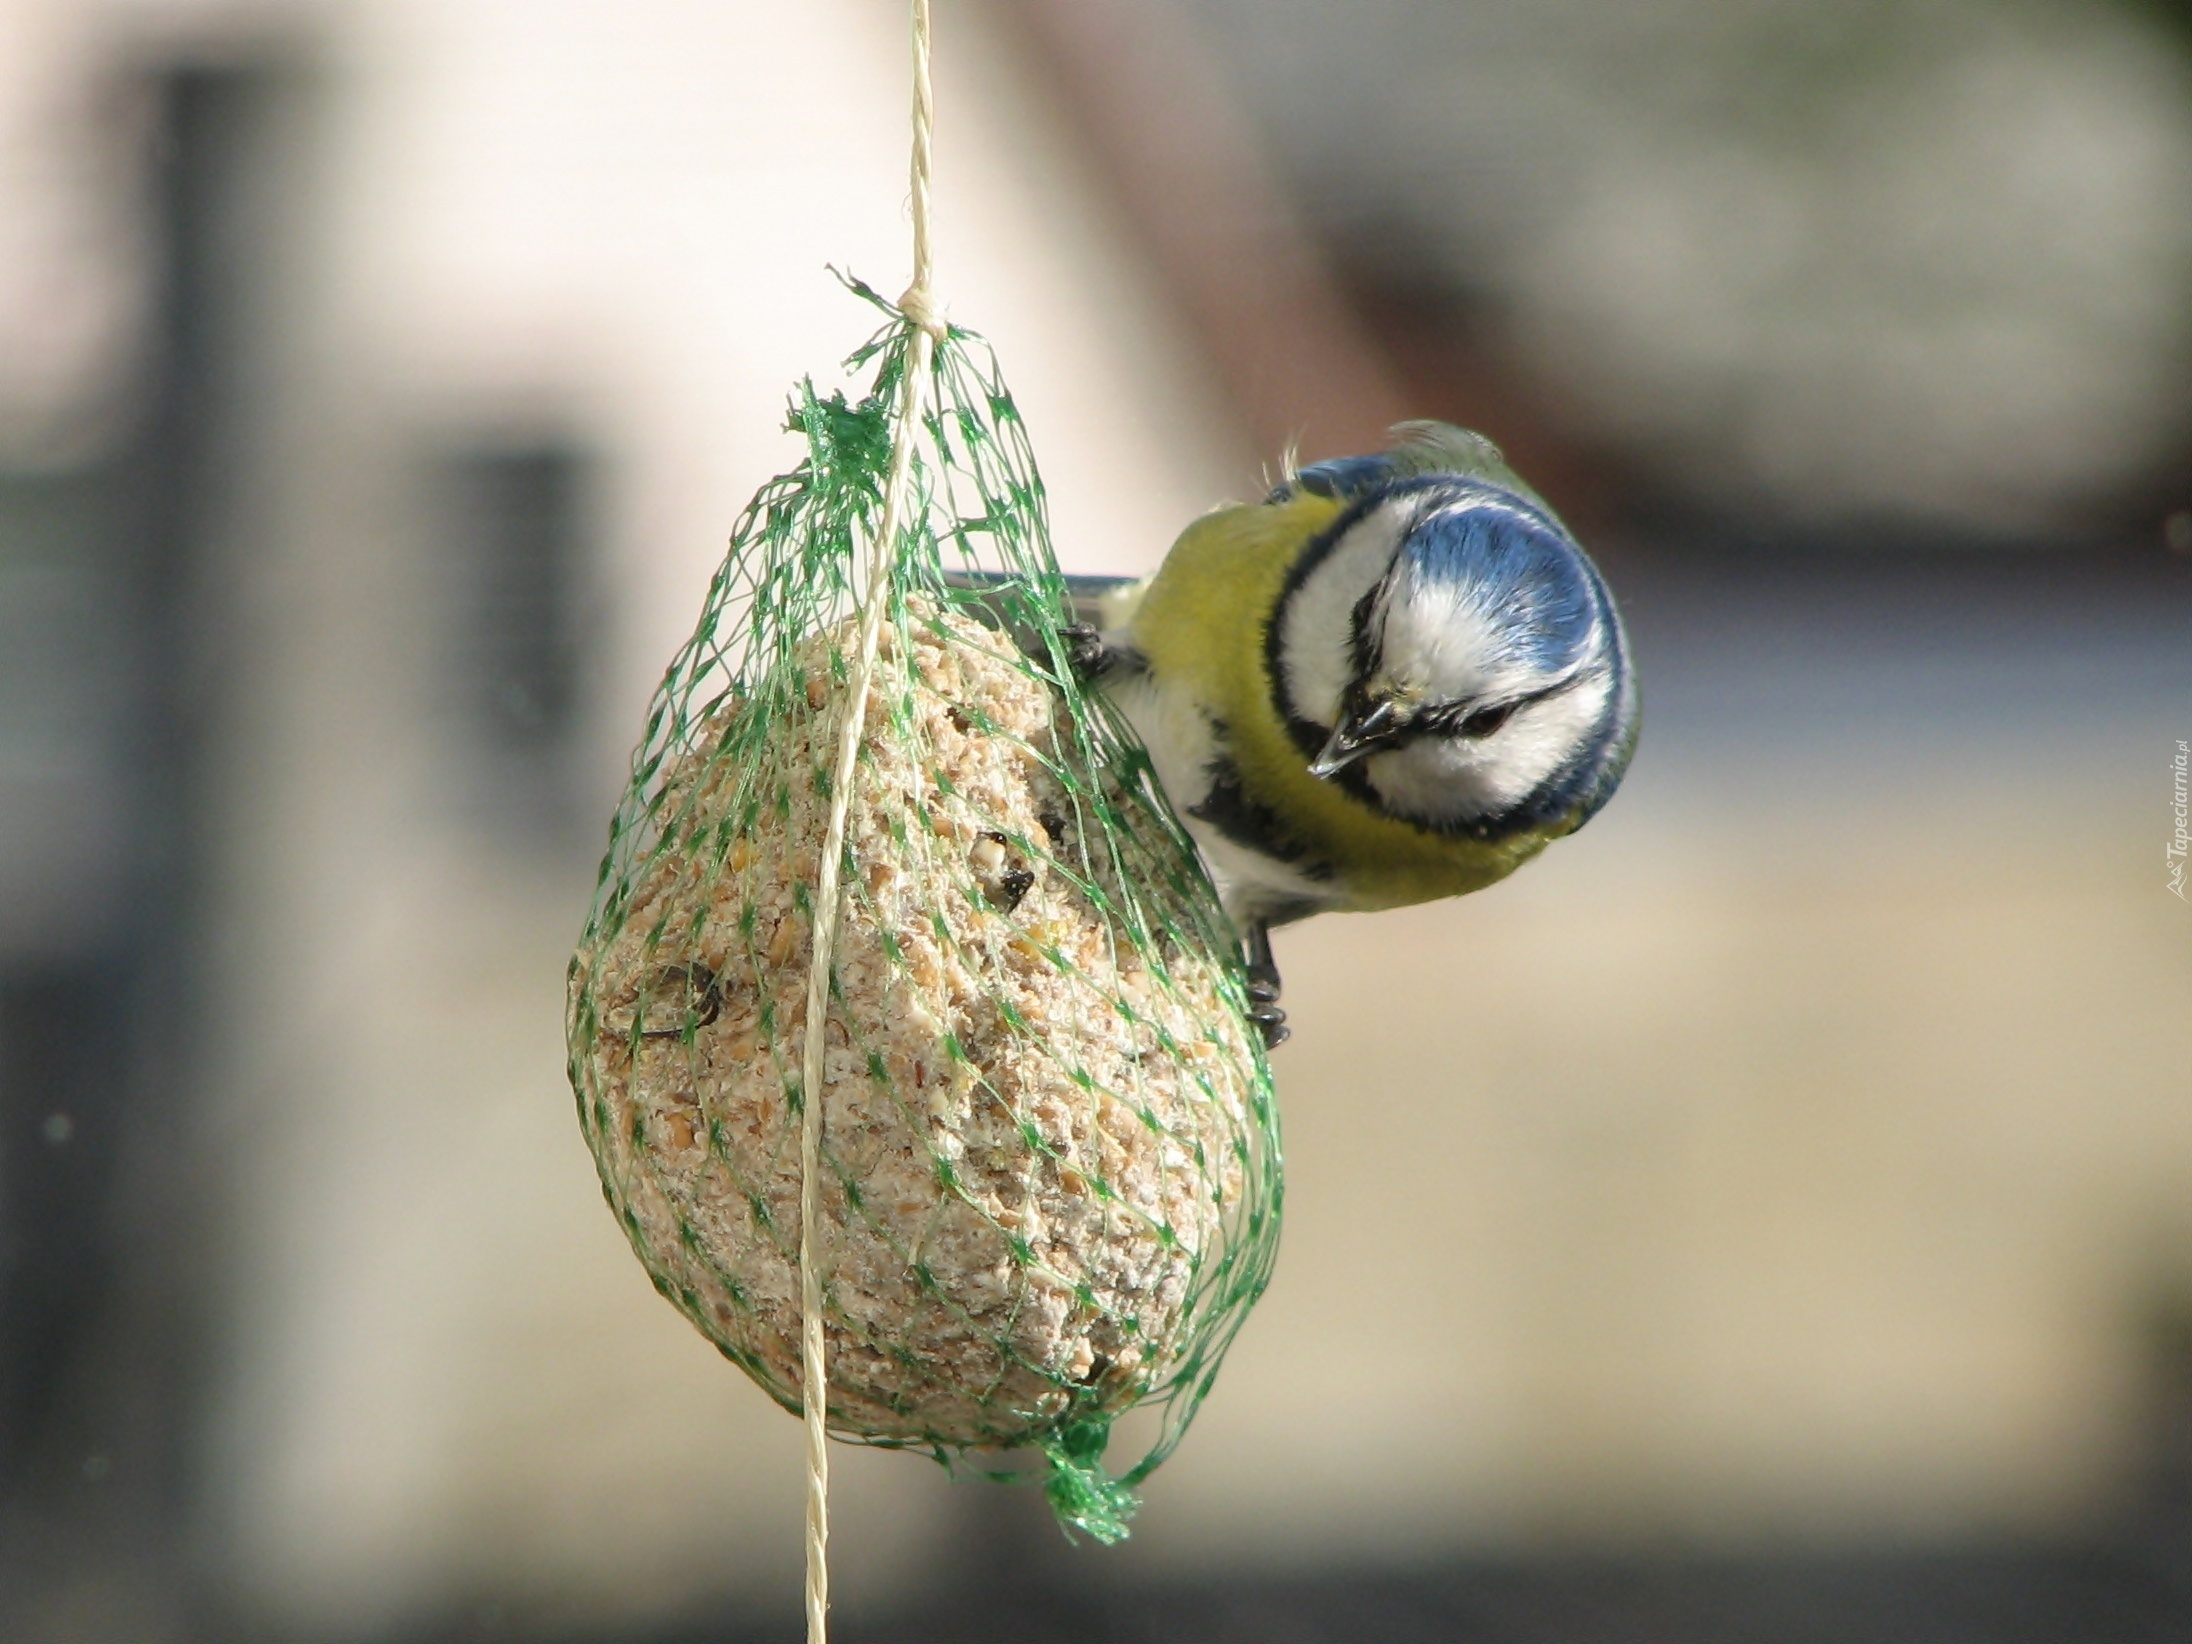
(1833, 262)
(1769, 1209)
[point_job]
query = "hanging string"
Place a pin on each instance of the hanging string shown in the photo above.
(917, 304)
(919, 307)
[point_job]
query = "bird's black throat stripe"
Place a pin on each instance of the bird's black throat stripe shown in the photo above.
(1250, 823)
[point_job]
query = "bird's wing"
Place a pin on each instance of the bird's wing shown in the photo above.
(1103, 603)
(1441, 448)
(1417, 448)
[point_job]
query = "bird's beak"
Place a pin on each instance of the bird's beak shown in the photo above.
(1357, 734)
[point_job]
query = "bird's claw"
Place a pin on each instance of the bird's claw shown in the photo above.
(1086, 653)
(1263, 988)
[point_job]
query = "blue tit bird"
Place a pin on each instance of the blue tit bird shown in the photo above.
(1397, 678)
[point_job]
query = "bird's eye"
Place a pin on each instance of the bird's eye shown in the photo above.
(1485, 720)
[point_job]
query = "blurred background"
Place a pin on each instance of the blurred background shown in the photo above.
(1768, 1219)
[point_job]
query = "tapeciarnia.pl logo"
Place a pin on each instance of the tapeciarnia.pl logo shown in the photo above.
(2180, 839)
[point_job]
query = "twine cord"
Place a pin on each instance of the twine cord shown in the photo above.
(918, 304)
(918, 307)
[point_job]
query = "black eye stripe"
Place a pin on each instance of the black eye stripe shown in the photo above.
(1487, 720)
(1467, 719)
(1365, 645)
(1461, 719)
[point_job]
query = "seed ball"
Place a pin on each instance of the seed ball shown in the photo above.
(1034, 1128)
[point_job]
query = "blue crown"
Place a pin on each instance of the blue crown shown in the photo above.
(1515, 564)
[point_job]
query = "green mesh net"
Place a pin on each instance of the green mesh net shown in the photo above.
(1050, 1186)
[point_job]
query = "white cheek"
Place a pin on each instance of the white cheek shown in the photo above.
(1438, 779)
(1455, 779)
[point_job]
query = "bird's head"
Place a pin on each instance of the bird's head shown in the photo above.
(1448, 652)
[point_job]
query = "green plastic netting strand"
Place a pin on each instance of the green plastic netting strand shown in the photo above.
(1049, 1179)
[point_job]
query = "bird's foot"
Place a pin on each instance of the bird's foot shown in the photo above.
(1086, 653)
(1263, 989)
